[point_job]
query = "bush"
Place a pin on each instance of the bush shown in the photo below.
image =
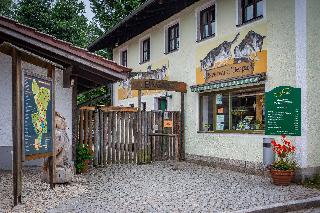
(83, 153)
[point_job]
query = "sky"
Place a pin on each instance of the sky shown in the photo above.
(89, 13)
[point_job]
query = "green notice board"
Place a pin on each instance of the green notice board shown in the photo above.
(283, 111)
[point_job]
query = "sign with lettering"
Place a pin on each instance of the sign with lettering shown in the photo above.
(37, 117)
(229, 71)
(283, 111)
(158, 85)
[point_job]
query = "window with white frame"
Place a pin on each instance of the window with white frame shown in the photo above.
(124, 58)
(172, 37)
(206, 21)
(145, 50)
(249, 10)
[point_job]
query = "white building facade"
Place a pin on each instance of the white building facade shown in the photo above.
(274, 42)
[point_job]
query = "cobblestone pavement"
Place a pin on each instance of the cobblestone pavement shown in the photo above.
(311, 210)
(160, 187)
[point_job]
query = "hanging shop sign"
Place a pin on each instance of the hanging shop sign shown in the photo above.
(158, 85)
(38, 110)
(283, 111)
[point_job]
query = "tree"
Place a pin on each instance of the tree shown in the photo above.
(35, 13)
(6, 8)
(109, 13)
(69, 23)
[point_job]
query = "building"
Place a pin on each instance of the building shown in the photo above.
(230, 53)
(71, 69)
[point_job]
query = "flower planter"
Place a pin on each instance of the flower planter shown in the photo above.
(282, 177)
(85, 168)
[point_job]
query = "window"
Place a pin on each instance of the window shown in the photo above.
(124, 58)
(145, 56)
(207, 22)
(173, 38)
(235, 111)
(250, 10)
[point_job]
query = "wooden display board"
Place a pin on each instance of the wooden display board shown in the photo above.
(38, 117)
(283, 111)
(158, 85)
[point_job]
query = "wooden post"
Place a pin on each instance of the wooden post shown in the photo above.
(17, 126)
(182, 150)
(52, 158)
(139, 128)
(75, 119)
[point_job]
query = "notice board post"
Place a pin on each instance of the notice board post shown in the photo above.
(16, 126)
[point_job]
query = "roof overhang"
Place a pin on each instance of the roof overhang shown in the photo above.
(146, 16)
(245, 81)
(90, 70)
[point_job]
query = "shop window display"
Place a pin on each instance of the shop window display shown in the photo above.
(236, 110)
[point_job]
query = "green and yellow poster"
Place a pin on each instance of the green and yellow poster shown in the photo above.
(37, 116)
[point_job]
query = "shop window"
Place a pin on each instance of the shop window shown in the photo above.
(124, 58)
(207, 22)
(173, 38)
(145, 50)
(233, 111)
(250, 10)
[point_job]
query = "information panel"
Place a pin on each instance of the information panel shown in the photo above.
(283, 111)
(37, 117)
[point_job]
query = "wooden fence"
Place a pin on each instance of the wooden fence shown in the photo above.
(117, 137)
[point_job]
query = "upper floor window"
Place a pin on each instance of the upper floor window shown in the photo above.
(145, 53)
(207, 22)
(250, 10)
(124, 58)
(173, 38)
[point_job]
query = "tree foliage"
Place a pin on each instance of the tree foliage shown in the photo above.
(64, 19)
(109, 13)
(34, 13)
(7, 8)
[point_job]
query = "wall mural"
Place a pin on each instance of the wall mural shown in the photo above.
(156, 71)
(233, 57)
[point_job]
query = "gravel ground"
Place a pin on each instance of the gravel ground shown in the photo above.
(36, 195)
(158, 187)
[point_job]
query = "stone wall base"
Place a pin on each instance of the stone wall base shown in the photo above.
(229, 164)
(6, 159)
(301, 174)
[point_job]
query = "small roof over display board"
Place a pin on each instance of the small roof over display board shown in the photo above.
(90, 69)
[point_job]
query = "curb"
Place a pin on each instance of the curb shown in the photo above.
(294, 205)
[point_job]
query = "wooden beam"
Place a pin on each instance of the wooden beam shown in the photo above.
(182, 128)
(52, 158)
(17, 126)
(75, 118)
(67, 77)
(92, 77)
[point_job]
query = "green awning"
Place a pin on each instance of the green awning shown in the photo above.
(249, 80)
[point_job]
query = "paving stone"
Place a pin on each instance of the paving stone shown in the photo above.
(158, 187)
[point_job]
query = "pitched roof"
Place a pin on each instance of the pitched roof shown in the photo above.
(147, 15)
